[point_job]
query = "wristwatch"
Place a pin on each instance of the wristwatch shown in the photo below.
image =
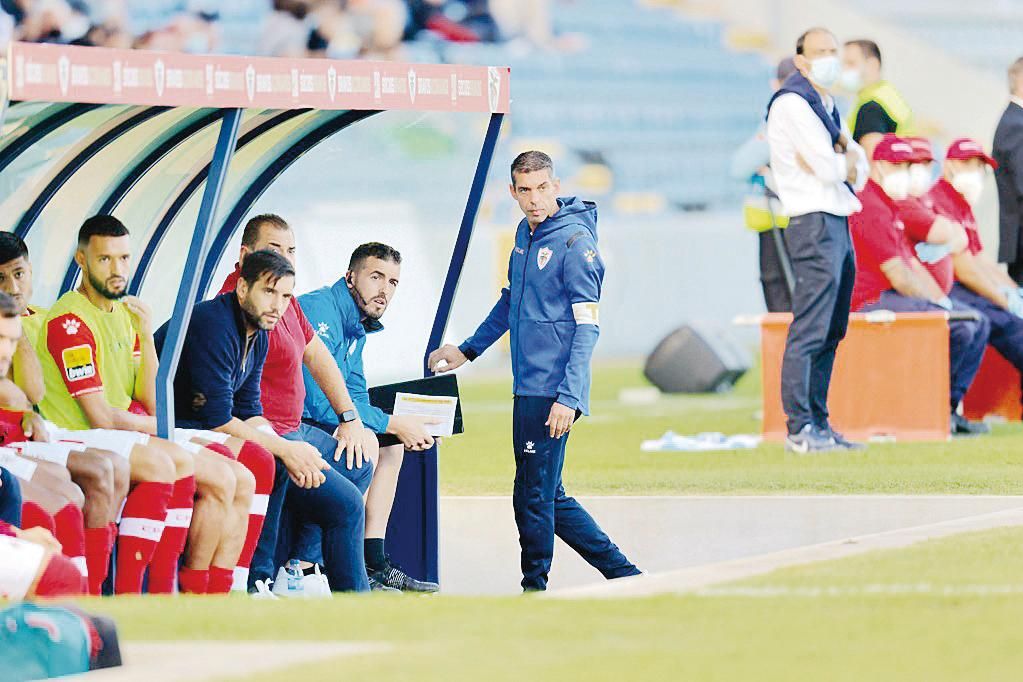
(348, 416)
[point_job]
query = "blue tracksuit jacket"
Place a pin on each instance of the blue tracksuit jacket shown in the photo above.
(550, 306)
(337, 320)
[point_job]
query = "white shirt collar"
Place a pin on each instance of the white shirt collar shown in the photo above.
(1016, 100)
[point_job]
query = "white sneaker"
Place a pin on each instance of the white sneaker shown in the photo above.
(312, 586)
(263, 591)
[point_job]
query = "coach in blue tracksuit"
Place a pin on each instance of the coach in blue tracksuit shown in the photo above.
(551, 309)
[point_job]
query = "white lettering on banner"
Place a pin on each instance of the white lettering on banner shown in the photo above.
(147, 529)
(79, 75)
(264, 82)
(259, 505)
(19, 466)
(454, 87)
(175, 78)
(178, 518)
(412, 90)
(117, 76)
(586, 313)
(222, 80)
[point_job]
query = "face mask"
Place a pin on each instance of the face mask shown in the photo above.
(970, 184)
(851, 80)
(824, 71)
(919, 179)
(896, 184)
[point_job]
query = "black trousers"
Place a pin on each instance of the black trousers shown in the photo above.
(777, 296)
(824, 266)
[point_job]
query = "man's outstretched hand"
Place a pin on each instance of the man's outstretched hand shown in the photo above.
(447, 358)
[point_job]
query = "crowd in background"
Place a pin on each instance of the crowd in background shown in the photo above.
(339, 29)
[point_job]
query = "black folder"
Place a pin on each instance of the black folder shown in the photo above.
(441, 384)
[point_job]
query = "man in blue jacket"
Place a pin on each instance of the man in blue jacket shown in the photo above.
(550, 306)
(343, 315)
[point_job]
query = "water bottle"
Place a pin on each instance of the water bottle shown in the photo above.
(294, 575)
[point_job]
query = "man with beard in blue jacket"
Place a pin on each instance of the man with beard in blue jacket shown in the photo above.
(550, 306)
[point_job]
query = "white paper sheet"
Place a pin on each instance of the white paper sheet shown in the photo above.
(438, 407)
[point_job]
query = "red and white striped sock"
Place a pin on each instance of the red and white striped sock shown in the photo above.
(34, 516)
(98, 545)
(163, 568)
(260, 462)
(141, 527)
(70, 533)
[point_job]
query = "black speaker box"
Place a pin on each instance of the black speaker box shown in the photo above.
(696, 359)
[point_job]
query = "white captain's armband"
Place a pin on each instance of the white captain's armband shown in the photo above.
(587, 312)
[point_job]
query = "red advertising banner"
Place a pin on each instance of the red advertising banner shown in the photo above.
(63, 73)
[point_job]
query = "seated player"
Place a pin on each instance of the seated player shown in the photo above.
(102, 476)
(294, 348)
(344, 314)
(890, 277)
(98, 358)
(980, 282)
(217, 387)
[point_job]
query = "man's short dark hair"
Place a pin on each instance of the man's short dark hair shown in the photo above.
(12, 247)
(801, 40)
(253, 228)
(373, 250)
(265, 262)
(8, 308)
(100, 226)
(531, 162)
(868, 47)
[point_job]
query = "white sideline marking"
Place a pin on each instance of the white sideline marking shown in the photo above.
(690, 580)
(876, 589)
(203, 660)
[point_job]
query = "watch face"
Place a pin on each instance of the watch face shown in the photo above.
(348, 416)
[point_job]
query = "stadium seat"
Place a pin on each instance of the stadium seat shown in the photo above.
(891, 377)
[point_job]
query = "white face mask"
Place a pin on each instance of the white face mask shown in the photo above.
(919, 179)
(851, 80)
(896, 184)
(970, 184)
(824, 71)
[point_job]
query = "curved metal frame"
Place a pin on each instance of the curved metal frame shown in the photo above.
(40, 130)
(264, 180)
(43, 198)
(137, 171)
(193, 184)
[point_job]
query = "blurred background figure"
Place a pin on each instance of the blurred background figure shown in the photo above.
(762, 210)
(879, 108)
(1008, 152)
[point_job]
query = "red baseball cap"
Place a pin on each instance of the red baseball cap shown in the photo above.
(964, 148)
(894, 149)
(922, 151)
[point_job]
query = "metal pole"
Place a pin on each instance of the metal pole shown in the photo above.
(415, 522)
(472, 207)
(197, 252)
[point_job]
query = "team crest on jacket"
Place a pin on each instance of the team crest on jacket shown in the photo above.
(543, 257)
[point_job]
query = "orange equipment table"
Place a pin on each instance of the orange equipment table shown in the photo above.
(995, 391)
(891, 377)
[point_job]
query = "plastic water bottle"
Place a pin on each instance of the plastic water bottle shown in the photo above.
(294, 575)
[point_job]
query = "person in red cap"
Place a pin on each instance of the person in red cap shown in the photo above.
(980, 282)
(934, 238)
(890, 277)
